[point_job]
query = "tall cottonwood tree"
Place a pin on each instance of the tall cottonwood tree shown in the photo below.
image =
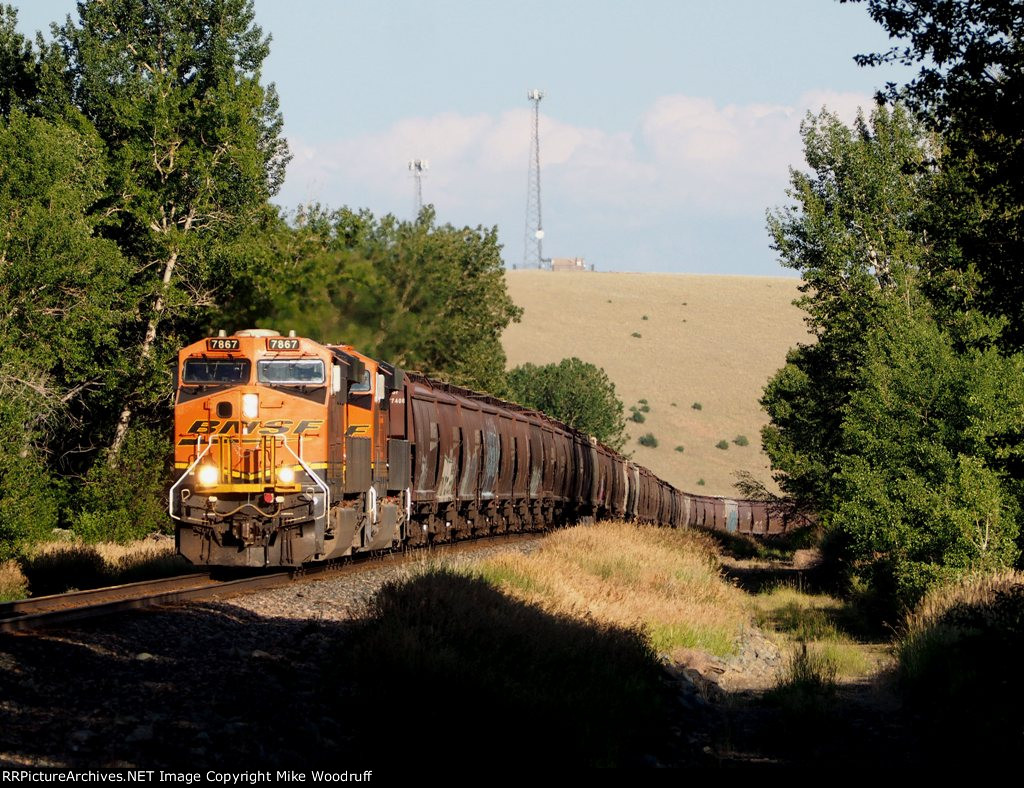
(853, 230)
(194, 151)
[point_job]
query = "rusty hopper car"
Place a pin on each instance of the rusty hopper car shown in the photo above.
(289, 451)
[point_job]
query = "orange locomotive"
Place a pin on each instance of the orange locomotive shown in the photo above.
(279, 451)
(288, 451)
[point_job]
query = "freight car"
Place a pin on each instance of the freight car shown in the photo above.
(289, 451)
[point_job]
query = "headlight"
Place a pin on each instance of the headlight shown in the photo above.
(208, 475)
(285, 475)
(251, 406)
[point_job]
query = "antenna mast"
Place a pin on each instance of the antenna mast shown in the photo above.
(418, 167)
(532, 252)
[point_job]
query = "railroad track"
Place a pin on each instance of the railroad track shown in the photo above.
(44, 611)
(39, 612)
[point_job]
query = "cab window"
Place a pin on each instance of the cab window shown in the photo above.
(363, 386)
(306, 372)
(216, 370)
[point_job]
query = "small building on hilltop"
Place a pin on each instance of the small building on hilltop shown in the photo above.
(568, 264)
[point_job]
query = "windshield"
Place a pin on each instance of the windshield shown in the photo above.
(300, 371)
(216, 370)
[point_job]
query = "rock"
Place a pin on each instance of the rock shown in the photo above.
(144, 656)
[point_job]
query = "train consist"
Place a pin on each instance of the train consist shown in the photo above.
(289, 451)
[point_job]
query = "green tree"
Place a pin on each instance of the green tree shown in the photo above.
(62, 309)
(926, 484)
(17, 64)
(573, 391)
(424, 296)
(194, 151)
(969, 88)
(854, 232)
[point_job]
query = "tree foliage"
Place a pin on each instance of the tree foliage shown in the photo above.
(61, 309)
(928, 481)
(854, 232)
(900, 424)
(573, 391)
(424, 296)
(970, 87)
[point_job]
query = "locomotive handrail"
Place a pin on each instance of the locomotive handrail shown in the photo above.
(195, 462)
(316, 479)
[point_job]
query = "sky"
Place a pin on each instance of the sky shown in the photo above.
(667, 127)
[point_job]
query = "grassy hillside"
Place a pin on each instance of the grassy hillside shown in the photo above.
(713, 340)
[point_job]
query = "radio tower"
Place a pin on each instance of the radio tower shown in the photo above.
(417, 167)
(532, 253)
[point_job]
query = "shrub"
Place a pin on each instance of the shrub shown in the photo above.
(674, 405)
(741, 440)
(575, 391)
(722, 444)
(700, 482)
(696, 406)
(644, 317)
(957, 661)
(648, 440)
(125, 501)
(637, 334)
(806, 689)
(13, 584)
(637, 416)
(679, 449)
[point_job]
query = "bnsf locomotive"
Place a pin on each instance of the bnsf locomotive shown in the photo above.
(289, 451)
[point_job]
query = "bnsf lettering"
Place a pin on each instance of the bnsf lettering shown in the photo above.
(235, 427)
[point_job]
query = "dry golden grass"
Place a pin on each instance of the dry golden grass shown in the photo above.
(664, 581)
(58, 566)
(13, 583)
(709, 339)
(971, 591)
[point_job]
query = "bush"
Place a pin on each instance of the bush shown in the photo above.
(577, 392)
(125, 501)
(679, 449)
(644, 317)
(637, 416)
(806, 690)
(648, 440)
(700, 482)
(958, 662)
(28, 503)
(696, 406)
(723, 444)
(13, 584)
(636, 334)
(741, 440)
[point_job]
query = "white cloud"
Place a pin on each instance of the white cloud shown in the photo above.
(688, 156)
